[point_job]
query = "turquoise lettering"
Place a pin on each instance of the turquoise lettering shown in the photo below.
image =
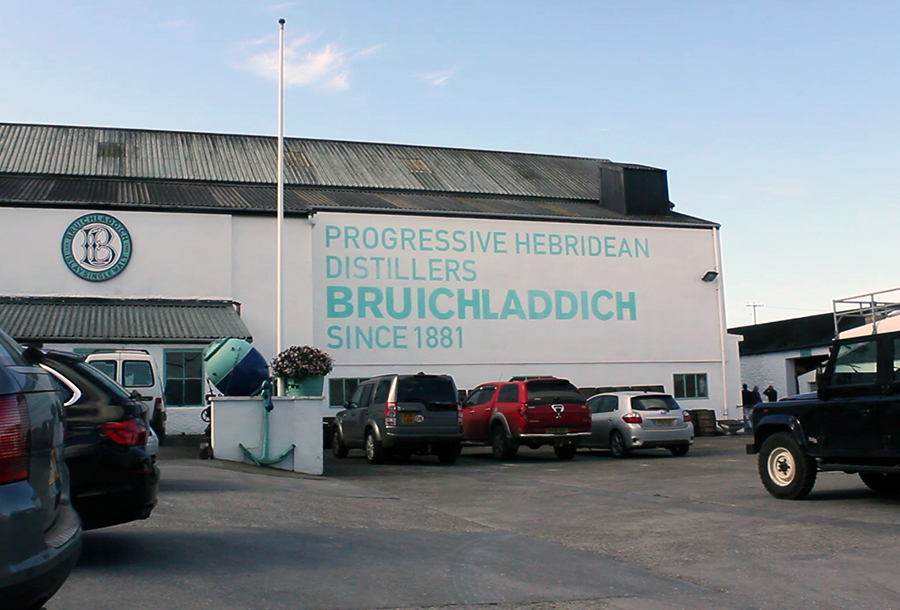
(369, 298)
(595, 304)
(407, 303)
(512, 306)
(432, 304)
(622, 305)
(533, 296)
(563, 296)
(331, 233)
(339, 301)
(462, 303)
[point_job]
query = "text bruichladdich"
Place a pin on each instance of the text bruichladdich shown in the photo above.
(400, 255)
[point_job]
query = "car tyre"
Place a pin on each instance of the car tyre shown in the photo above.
(504, 448)
(447, 454)
(565, 451)
(617, 444)
(680, 450)
(881, 483)
(338, 448)
(786, 470)
(374, 449)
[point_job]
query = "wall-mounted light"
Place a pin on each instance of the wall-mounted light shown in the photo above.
(710, 276)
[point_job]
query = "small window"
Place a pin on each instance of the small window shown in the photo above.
(110, 150)
(691, 385)
(855, 364)
(595, 404)
(509, 393)
(361, 395)
(340, 390)
(481, 396)
(184, 378)
(107, 367)
(137, 374)
(610, 404)
(381, 394)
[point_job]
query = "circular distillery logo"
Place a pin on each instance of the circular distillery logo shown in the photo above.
(96, 247)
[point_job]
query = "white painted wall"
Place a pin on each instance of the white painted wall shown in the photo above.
(667, 321)
(776, 369)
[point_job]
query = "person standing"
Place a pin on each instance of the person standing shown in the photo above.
(771, 393)
(746, 405)
(756, 397)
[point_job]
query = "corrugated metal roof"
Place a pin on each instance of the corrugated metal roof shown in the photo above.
(122, 194)
(183, 156)
(100, 320)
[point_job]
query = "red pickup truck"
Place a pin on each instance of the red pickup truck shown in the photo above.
(532, 412)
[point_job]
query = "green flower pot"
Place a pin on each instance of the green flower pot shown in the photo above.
(312, 385)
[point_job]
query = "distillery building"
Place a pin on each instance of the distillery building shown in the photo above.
(480, 264)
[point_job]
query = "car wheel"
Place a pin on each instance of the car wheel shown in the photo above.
(881, 483)
(503, 447)
(447, 454)
(338, 448)
(374, 449)
(617, 444)
(566, 451)
(159, 426)
(787, 472)
(680, 450)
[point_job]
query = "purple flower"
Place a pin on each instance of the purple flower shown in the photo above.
(302, 361)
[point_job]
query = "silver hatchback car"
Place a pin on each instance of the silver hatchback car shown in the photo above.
(625, 421)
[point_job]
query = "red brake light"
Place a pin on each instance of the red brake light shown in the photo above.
(390, 414)
(15, 439)
(523, 411)
(687, 415)
(632, 418)
(157, 404)
(129, 433)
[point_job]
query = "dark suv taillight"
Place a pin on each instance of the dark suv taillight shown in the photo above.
(390, 414)
(15, 439)
(128, 433)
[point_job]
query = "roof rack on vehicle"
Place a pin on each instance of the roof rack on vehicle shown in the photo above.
(872, 308)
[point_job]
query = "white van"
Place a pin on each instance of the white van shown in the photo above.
(135, 369)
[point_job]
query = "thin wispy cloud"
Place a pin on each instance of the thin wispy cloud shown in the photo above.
(370, 51)
(437, 78)
(326, 67)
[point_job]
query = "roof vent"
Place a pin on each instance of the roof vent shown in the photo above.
(110, 150)
(416, 166)
(296, 158)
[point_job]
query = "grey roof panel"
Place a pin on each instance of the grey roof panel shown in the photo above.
(228, 198)
(183, 156)
(95, 320)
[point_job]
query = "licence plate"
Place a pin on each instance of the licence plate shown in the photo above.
(407, 418)
(665, 422)
(557, 430)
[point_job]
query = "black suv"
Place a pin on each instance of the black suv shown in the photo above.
(114, 479)
(399, 415)
(852, 424)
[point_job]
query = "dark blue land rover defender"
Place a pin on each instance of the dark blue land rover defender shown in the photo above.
(852, 424)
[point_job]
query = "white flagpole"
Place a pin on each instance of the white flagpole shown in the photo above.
(278, 313)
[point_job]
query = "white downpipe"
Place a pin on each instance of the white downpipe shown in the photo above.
(280, 222)
(721, 298)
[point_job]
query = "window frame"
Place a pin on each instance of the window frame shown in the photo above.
(684, 394)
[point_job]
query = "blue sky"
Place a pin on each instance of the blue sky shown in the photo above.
(777, 120)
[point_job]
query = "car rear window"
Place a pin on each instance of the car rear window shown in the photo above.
(107, 367)
(435, 392)
(137, 374)
(654, 403)
(547, 391)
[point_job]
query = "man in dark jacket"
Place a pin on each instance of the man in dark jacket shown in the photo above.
(771, 393)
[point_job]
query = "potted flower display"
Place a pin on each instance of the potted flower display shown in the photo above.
(303, 368)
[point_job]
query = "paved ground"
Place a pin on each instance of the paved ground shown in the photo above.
(649, 532)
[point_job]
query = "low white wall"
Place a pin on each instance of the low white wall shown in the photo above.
(293, 421)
